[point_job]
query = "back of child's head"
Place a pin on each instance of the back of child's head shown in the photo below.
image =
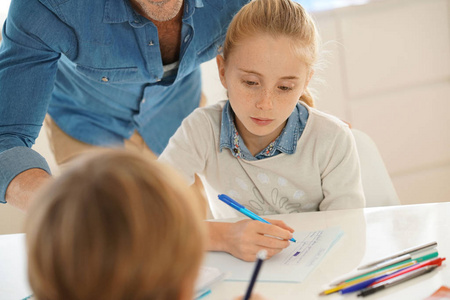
(276, 18)
(114, 226)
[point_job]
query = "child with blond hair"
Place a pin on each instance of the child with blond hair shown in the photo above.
(115, 226)
(266, 146)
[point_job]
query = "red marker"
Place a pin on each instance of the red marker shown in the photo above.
(433, 262)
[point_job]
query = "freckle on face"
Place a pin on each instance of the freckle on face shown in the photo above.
(269, 60)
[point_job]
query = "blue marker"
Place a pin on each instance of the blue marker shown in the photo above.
(240, 208)
(203, 294)
(361, 285)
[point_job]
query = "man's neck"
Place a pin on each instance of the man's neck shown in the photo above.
(142, 7)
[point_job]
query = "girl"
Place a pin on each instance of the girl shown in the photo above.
(115, 226)
(267, 147)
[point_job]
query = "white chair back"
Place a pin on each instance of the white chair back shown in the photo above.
(377, 184)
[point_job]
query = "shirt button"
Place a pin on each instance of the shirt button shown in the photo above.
(143, 100)
(151, 43)
(158, 79)
(105, 79)
(187, 38)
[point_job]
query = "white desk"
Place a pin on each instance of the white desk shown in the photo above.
(13, 267)
(370, 233)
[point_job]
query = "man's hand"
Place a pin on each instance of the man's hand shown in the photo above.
(245, 238)
(22, 188)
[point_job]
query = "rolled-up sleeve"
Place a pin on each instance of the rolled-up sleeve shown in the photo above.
(33, 38)
(16, 161)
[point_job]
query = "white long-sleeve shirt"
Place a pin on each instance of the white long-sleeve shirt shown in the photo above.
(323, 173)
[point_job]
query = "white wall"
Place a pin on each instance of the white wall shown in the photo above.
(391, 79)
(388, 74)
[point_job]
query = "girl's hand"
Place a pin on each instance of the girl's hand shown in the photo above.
(245, 238)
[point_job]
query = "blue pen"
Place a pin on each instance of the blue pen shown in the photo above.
(240, 208)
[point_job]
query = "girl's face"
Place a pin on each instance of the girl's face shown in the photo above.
(265, 80)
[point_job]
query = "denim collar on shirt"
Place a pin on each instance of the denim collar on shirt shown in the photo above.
(121, 11)
(286, 142)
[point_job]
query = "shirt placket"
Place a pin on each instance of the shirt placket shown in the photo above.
(152, 53)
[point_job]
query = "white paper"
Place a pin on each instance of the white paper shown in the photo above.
(206, 278)
(293, 264)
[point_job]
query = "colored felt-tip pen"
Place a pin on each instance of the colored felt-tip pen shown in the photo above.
(394, 281)
(240, 208)
(401, 253)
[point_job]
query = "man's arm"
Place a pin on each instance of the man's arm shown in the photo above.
(21, 189)
(33, 40)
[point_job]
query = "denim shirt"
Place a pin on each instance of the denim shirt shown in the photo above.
(96, 68)
(286, 142)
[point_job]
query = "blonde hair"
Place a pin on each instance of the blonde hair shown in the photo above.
(276, 17)
(114, 226)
